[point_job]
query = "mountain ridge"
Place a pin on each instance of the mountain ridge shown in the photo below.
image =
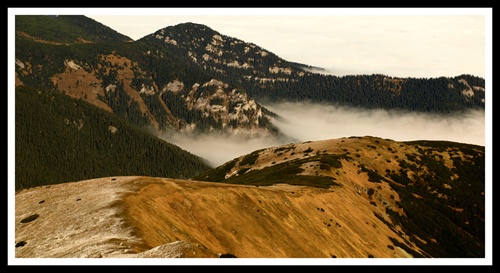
(66, 29)
(313, 199)
(288, 80)
(412, 215)
(158, 74)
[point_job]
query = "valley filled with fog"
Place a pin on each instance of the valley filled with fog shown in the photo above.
(309, 122)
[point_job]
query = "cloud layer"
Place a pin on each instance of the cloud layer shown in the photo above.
(310, 122)
(316, 122)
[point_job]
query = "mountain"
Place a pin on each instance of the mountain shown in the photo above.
(65, 30)
(190, 78)
(268, 78)
(143, 83)
(431, 189)
(89, 102)
(60, 139)
(356, 197)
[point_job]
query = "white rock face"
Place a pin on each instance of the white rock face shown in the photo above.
(20, 64)
(71, 64)
(175, 86)
(110, 88)
(468, 92)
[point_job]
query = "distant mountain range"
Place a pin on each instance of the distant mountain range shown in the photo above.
(92, 178)
(189, 77)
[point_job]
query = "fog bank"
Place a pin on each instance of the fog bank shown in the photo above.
(310, 122)
(218, 149)
(306, 121)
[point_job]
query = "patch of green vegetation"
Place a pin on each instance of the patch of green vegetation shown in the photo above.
(325, 166)
(243, 170)
(289, 173)
(217, 174)
(250, 159)
(441, 145)
(373, 176)
(403, 164)
(329, 159)
(286, 172)
(370, 192)
(308, 150)
(448, 231)
(281, 175)
(284, 149)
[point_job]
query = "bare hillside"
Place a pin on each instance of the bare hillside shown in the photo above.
(148, 217)
(129, 216)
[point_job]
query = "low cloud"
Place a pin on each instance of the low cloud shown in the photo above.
(310, 122)
(306, 121)
(218, 149)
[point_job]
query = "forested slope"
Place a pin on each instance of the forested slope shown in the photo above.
(59, 139)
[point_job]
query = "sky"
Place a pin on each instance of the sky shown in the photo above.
(398, 42)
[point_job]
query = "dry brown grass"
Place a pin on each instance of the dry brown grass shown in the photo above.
(161, 217)
(130, 215)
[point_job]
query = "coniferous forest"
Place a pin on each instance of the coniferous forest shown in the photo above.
(59, 139)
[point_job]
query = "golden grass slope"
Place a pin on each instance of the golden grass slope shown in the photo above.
(127, 216)
(137, 216)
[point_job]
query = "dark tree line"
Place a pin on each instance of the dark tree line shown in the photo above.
(59, 139)
(159, 63)
(453, 225)
(441, 95)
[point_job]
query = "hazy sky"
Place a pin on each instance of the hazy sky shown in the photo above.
(404, 42)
